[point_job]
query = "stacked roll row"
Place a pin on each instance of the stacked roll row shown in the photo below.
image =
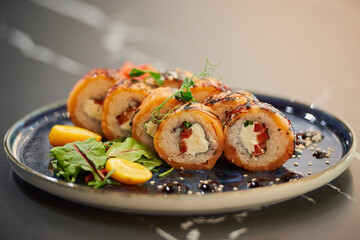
(186, 134)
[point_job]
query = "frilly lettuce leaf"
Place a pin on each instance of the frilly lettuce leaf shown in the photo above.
(132, 150)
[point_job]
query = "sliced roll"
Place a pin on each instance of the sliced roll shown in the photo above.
(125, 70)
(206, 87)
(175, 78)
(258, 137)
(190, 138)
(120, 105)
(223, 103)
(84, 103)
(143, 128)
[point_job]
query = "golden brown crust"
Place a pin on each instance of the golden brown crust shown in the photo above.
(224, 102)
(206, 87)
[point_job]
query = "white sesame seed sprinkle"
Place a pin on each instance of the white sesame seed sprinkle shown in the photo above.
(309, 173)
(160, 187)
(327, 162)
(310, 163)
(296, 164)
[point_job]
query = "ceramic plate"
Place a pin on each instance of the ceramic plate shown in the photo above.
(226, 188)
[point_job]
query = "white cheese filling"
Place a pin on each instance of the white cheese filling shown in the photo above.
(126, 126)
(197, 142)
(248, 137)
(151, 127)
(93, 109)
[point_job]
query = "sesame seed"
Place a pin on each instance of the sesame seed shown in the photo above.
(293, 156)
(310, 163)
(235, 188)
(314, 145)
(181, 178)
(296, 164)
(245, 175)
(189, 192)
(309, 173)
(175, 182)
(277, 179)
(160, 187)
(327, 162)
(152, 182)
(312, 148)
(299, 156)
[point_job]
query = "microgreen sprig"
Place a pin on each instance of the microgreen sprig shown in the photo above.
(183, 94)
(156, 76)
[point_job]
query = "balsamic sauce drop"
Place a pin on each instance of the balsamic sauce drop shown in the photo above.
(170, 188)
(319, 154)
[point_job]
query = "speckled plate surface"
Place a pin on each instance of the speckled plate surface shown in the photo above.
(228, 188)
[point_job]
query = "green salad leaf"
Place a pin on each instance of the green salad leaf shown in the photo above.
(73, 158)
(134, 151)
(90, 156)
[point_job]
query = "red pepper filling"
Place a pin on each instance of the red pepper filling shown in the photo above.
(126, 115)
(99, 102)
(185, 133)
(261, 138)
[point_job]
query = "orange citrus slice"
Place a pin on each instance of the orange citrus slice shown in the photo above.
(127, 171)
(63, 134)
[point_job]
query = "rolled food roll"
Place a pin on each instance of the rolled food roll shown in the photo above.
(190, 138)
(205, 87)
(120, 105)
(125, 70)
(84, 103)
(258, 137)
(175, 78)
(143, 128)
(223, 103)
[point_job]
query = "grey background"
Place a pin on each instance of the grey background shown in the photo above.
(308, 51)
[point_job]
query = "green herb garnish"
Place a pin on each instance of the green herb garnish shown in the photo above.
(156, 76)
(187, 125)
(248, 122)
(183, 94)
(166, 173)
